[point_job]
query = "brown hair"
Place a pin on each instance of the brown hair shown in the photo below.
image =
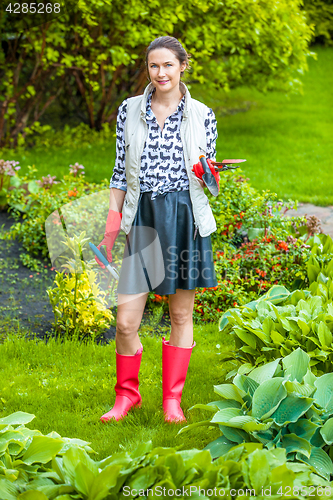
(171, 43)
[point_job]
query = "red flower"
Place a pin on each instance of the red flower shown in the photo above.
(283, 245)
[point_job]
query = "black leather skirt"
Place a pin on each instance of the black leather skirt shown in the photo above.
(161, 253)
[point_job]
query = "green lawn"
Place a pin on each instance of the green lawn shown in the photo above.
(69, 386)
(287, 142)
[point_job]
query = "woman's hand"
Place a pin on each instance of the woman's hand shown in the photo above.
(112, 229)
(199, 171)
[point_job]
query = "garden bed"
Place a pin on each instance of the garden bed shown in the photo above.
(24, 303)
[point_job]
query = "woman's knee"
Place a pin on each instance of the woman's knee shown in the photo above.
(181, 316)
(128, 324)
(129, 316)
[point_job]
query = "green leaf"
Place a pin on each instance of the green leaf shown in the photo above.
(303, 326)
(235, 435)
(32, 495)
(8, 490)
(71, 459)
(15, 181)
(295, 388)
(303, 428)
(42, 449)
(230, 391)
(324, 334)
(327, 431)
(18, 418)
(259, 469)
(33, 187)
(223, 416)
(84, 478)
(254, 232)
(293, 443)
(219, 447)
(291, 409)
(225, 319)
(264, 372)
(267, 397)
(296, 365)
(246, 384)
(324, 393)
(245, 337)
(277, 294)
(313, 272)
(320, 461)
(143, 478)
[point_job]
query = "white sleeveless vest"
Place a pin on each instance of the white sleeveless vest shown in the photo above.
(193, 135)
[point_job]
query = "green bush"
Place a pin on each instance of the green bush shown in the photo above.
(33, 466)
(319, 13)
(248, 271)
(44, 200)
(277, 404)
(92, 56)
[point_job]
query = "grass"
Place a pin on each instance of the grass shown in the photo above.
(287, 141)
(68, 386)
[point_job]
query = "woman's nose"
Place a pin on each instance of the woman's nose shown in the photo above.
(161, 71)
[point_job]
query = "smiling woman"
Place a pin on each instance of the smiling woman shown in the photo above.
(166, 215)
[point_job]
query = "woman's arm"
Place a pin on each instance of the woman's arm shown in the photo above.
(118, 179)
(116, 199)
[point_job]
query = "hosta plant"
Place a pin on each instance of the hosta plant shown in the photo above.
(320, 263)
(282, 404)
(279, 322)
(34, 466)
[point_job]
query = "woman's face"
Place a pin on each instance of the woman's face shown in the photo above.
(164, 69)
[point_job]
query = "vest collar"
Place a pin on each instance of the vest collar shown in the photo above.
(150, 87)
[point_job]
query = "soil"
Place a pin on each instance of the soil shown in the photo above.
(24, 303)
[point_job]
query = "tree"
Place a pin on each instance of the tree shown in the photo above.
(320, 14)
(96, 51)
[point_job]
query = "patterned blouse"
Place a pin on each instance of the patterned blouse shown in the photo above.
(162, 161)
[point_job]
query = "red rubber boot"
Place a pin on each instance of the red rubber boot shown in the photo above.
(127, 386)
(175, 361)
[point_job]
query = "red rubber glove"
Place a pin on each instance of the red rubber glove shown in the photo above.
(199, 171)
(112, 230)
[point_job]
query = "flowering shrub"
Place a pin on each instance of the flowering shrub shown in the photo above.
(240, 207)
(47, 196)
(248, 271)
(7, 171)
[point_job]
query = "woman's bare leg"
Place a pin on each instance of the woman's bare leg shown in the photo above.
(181, 306)
(129, 316)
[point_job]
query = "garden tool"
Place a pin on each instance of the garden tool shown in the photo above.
(211, 180)
(175, 361)
(224, 164)
(208, 177)
(127, 386)
(104, 261)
